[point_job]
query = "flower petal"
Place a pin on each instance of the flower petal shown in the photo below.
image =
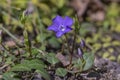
(58, 20)
(59, 34)
(68, 29)
(68, 21)
(53, 28)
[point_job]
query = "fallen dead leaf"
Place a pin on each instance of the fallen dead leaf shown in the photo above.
(10, 43)
(62, 59)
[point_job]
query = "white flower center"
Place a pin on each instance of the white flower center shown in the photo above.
(62, 28)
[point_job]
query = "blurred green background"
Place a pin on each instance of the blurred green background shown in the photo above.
(100, 27)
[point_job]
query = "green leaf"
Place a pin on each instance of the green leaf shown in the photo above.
(0, 59)
(112, 58)
(118, 59)
(21, 67)
(35, 51)
(58, 3)
(61, 72)
(79, 64)
(51, 58)
(89, 59)
(44, 7)
(20, 3)
(6, 18)
(85, 29)
(54, 42)
(46, 21)
(44, 74)
(107, 44)
(113, 10)
(26, 38)
(36, 64)
(9, 76)
(106, 54)
(27, 65)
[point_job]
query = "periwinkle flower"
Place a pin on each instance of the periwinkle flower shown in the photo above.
(82, 43)
(61, 25)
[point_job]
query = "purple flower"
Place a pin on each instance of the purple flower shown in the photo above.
(61, 25)
(82, 43)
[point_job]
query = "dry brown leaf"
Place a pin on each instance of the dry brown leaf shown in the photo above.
(10, 43)
(98, 16)
(62, 59)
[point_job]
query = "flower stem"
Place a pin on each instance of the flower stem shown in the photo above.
(68, 46)
(27, 42)
(62, 50)
(73, 47)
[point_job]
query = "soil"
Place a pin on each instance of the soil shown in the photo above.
(103, 69)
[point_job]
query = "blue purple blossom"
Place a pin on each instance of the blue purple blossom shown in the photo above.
(82, 43)
(61, 25)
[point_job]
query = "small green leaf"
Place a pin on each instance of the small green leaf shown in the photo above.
(85, 29)
(78, 64)
(44, 7)
(44, 74)
(115, 43)
(27, 65)
(58, 3)
(106, 54)
(61, 72)
(21, 67)
(26, 38)
(35, 51)
(112, 58)
(54, 42)
(0, 59)
(46, 21)
(118, 59)
(113, 10)
(107, 44)
(51, 58)
(9, 76)
(36, 64)
(89, 59)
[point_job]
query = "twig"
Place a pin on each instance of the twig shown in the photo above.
(62, 50)
(4, 66)
(0, 77)
(10, 34)
(68, 46)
